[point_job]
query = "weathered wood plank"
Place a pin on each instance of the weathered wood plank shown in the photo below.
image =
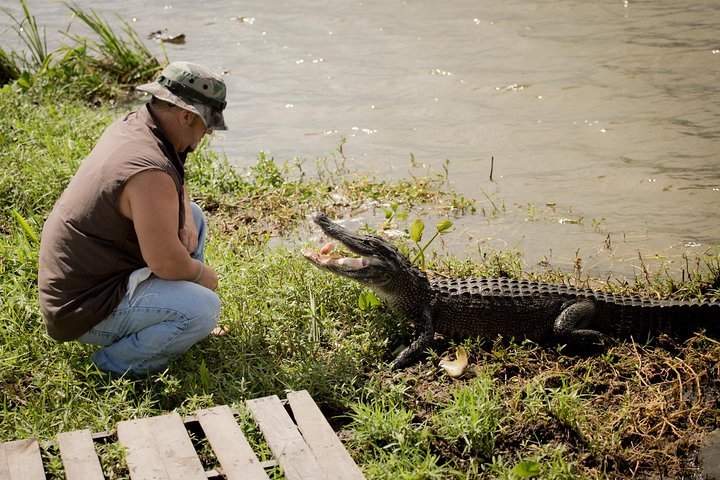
(319, 435)
(79, 457)
(21, 460)
(159, 448)
(285, 442)
(231, 448)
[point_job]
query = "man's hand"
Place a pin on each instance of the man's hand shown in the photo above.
(189, 236)
(208, 278)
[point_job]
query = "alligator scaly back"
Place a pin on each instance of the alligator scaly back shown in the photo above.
(519, 306)
(509, 308)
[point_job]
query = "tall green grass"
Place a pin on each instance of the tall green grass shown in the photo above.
(127, 61)
(95, 68)
(33, 37)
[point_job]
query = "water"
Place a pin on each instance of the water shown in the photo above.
(602, 113)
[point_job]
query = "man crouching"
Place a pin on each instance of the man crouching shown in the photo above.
(121, 255)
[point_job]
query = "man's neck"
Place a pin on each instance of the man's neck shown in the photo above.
(165, 121)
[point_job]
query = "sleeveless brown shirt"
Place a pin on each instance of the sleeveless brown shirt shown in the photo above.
(88, 248)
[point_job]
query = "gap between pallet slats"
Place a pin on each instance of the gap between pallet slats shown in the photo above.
(321, 438)
(159, 448)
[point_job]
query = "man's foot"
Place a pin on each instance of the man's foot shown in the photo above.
(220, 331)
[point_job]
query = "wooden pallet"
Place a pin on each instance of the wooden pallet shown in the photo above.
(159, 448)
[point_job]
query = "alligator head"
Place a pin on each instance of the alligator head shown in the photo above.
(379, 265)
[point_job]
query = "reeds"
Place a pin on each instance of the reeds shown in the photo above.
(90, 67)
(32, 37)
(126, 61)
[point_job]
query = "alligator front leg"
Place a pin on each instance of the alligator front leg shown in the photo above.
(567, 325)
(423, 338)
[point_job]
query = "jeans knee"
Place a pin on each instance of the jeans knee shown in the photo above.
(201, 225)
(198, 215)
(208, 312)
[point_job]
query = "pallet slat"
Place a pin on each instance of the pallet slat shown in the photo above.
(329, 451)
(21, 460)
(293, 454)
(79, 458)
(231, 448)
(159, 448)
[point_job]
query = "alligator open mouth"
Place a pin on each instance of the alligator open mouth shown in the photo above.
(325, 257)
(367, 262)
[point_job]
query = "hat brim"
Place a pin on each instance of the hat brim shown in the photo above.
(212, 118)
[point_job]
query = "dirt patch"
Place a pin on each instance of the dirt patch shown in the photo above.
(640, 411)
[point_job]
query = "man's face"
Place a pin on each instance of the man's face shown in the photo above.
(195, 132)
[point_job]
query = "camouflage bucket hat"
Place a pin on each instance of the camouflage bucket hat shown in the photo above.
(194, 88)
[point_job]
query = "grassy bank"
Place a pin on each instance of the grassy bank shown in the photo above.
(520, 411)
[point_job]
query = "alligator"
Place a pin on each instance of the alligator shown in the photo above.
(457, 308)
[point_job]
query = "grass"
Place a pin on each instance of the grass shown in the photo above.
(470, 420)
(520, 412)
(127, 61)
(98, 68)
(33, 37)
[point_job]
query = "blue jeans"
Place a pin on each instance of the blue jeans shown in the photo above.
(162, 319)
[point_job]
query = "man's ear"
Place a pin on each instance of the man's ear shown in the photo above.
(185, 117)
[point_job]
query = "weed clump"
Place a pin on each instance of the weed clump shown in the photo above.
(636, 411)
(100, 68)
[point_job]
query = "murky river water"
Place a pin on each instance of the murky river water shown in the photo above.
(607, 113)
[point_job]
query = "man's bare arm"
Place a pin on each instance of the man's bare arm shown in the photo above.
(150, 200)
